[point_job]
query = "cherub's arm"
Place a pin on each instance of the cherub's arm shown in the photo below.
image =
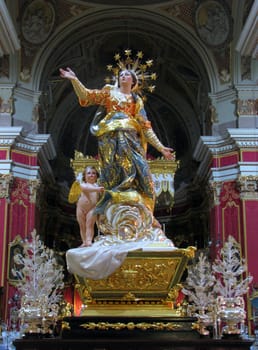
(87, 187)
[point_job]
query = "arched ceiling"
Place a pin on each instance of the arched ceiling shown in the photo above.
(126, 2)
(89, 43)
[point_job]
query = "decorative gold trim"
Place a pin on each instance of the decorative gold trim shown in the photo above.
(80, 162)
(65, 325)
(189, 252)
(131, 326)
(163, 166)
(157, 166)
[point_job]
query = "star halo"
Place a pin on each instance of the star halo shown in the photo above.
(140, 68)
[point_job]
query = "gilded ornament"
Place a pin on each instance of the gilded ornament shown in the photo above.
(65, 325)
(5, 182)
(189, 252)
(34, 185)
(131, 326)
(248, 186)
(215, 191)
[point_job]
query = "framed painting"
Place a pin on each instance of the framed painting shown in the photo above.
(15, 257)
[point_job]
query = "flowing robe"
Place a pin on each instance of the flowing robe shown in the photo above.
(123, 130)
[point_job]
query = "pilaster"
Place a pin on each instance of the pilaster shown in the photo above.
(24, 164)
(248, 186)
(6, 104)
(247, 105)
(229, 166)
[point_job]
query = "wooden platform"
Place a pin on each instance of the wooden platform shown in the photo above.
(163, 341)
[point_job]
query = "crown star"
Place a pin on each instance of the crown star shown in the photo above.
(128, 52)
(149, 63)
(139, 54)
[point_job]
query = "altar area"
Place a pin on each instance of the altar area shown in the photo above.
(137, 279)
(131, 295)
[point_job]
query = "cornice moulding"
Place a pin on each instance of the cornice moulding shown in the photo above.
(5, 166)
(25, 172)
(225, 174)
(223, 95)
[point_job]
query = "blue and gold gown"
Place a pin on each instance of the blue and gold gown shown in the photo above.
(125, 212)
(123, 131)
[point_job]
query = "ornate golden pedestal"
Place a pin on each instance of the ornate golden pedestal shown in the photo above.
(146, 284)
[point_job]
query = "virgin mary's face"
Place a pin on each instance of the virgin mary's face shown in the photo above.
(125, 77)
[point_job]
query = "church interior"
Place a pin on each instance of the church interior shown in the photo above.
(204, 106)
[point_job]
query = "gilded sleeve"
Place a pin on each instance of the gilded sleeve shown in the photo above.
(151, 137)
(87, 96)
(147, 130)
(80, 90)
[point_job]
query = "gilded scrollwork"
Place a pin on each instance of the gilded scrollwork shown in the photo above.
(231, 193)
(189, 252)
(173, 293)
(129, 296)
(20, 192)
(168, 326)
(65, 325)
(5, 182)
(84, 293)
(146, 274)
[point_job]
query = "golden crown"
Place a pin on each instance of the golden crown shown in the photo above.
(137, 66)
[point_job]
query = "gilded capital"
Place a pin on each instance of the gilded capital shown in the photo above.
(247, 107)
(6, 100)
(5, 181)
(33, 187)
(214, 189)
(248, 187)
